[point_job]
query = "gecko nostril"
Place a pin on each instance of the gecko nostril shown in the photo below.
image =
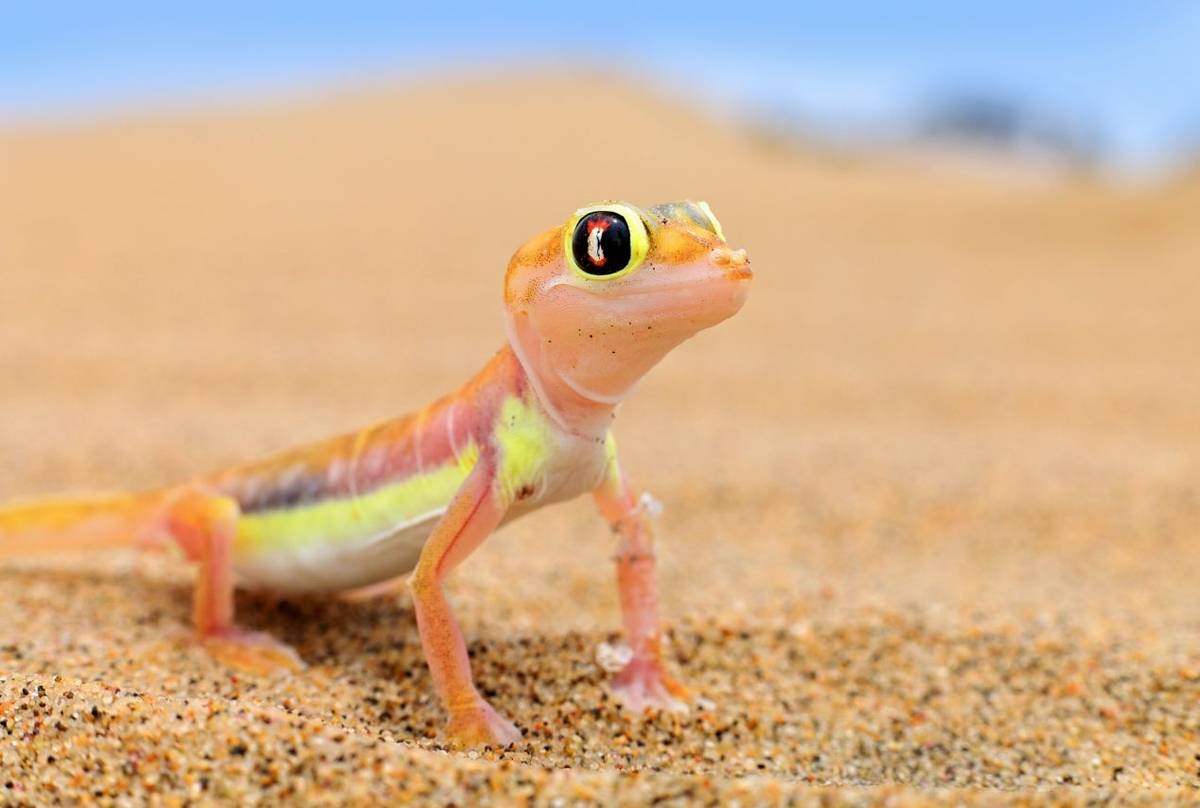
(725, 257)
(735, 263)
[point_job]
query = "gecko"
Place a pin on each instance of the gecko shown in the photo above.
(589, 307)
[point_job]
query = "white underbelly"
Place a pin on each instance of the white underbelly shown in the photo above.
(338, 566)
(576, 466)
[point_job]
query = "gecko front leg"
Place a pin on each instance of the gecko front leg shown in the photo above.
(644, 681)
(473, 514)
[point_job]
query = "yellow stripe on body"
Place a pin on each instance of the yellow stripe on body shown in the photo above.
(525, 439)
(610, 450)
(363, 517)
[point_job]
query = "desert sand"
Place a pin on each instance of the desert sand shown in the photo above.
(932, 500)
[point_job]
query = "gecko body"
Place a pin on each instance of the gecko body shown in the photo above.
(589, 307)
(358, 510)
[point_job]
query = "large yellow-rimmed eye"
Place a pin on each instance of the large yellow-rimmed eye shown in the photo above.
(606, 241)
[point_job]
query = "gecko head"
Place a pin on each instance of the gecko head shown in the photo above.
(601, 299)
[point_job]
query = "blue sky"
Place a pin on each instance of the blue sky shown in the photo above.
(1132, 69)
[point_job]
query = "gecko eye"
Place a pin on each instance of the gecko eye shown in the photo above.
(600, 244)
(605, 241)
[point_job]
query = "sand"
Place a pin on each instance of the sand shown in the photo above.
(932, 500)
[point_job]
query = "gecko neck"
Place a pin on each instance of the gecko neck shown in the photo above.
(573, 408)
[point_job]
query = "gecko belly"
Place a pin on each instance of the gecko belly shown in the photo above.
(314, 540)
(332, 566)
(307, 539)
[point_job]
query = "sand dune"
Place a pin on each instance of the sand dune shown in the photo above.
(932, 518)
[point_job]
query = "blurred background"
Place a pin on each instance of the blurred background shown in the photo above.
(225, 230)
(967, 381)
(1083, 84)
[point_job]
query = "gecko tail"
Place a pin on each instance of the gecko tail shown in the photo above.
(79, 524)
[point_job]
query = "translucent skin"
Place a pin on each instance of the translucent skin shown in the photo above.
(421, 492)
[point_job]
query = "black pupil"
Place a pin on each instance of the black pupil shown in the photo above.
(600, 243)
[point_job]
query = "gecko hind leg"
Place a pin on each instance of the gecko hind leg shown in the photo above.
(205, 525)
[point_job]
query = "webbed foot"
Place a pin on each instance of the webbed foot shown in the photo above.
(480, 725)
(643, 684)
(252, 652)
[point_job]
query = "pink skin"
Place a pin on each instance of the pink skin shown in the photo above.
(581, 343)
(584, 344)
(644, 682)
(204, 526)
(471, 517)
